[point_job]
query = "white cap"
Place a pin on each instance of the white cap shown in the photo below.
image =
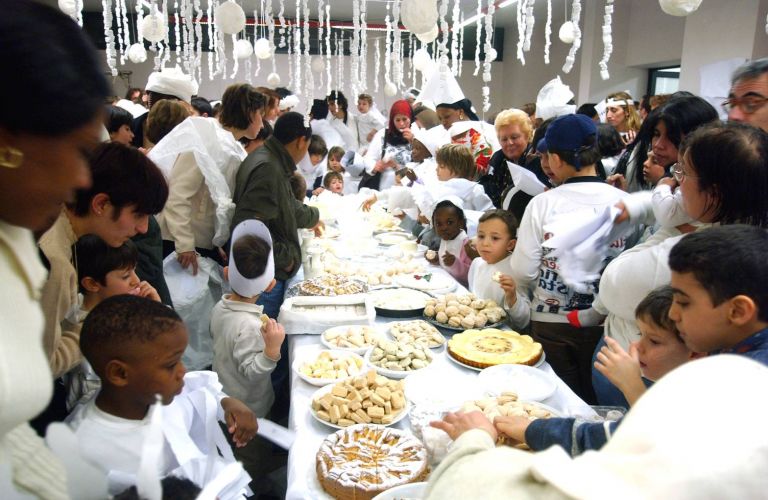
(251, 287)
(172, 81)
(431, 138)
(288, 102)
(553, 99)
(442, 88)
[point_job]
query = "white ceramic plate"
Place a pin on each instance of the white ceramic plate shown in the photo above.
(335, 354)
(528, 383)
(438, 283)
(344, 328)
(433, 347)
(447, 353)
(393, 238)
(404, 491)
(325, 390)
(393, 373)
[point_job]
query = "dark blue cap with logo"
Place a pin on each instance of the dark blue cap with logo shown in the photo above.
(571, 133)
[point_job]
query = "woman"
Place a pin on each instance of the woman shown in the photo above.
(723, 179)
(340, 119)
(42, 163)
(661, 133)
(272, 106)
(390, 148)
(621, 114)
(200, 158)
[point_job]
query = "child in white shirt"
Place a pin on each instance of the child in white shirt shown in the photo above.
(450, 225)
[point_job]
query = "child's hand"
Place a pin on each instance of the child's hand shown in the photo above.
(241, 421)
(617, 181)
(367, 204)
(621, 368)
(274, 335)
(148, 292)
(471, 251)
(508, 284)
(456, 424)
(407, 134)
(411, 174)
(432, 257)
(318, 191)
(512, 427)
(449, 259)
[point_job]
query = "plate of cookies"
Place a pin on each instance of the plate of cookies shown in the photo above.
(416, 331)
(459, 312)
(328, 366)
(354, 338)
(398, 359)
(366, 399)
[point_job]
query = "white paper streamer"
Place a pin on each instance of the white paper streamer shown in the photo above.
(548, 32)
(529, 21)
(571, 58)
(607, 40)
(478, 29)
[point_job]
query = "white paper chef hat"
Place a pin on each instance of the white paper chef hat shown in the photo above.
(432, 138)
(552, 100)
(251, 287)
(172, 81)
(442, 88)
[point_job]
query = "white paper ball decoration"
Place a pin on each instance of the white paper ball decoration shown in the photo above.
(243, 49)
(418, 16)
(390, 89)
(137, 53)
(567, 32)
(421, 59)
(154, 27)
(69, 7)
(317, 64)
(273, 79)
(229, 18)
(491, 55)
(679, 7)
(262, 48)
(430, 36)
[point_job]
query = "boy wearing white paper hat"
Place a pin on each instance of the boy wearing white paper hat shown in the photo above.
(246, 343)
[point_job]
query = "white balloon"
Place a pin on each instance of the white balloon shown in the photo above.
(154, 27)
(491, 55)
(317, 64)
(263, 48)
(69, 7)
(429, 36)
(567, 32)
(273, 79)
(390, 89)
(243, 49)
(137, 53)
(418, 16)
(229, 18)
(421, 59)
(679, 7)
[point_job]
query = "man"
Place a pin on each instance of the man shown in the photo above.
(748, 99)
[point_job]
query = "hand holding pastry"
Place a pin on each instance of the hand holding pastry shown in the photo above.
(456, 424)
(274, 335)
(431, 257)
(512, 426)
(509, 286)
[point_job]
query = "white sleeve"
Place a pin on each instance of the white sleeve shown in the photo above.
(668, 206)
(374, 151)
(520, 313)
(640, 207)
(480, 201)
(526, 258)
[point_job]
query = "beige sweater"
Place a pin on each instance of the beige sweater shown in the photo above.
(189, 214)
(60, 338)
(25, 378)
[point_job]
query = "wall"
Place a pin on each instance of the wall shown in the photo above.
(654, 38)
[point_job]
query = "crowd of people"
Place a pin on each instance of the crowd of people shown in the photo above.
(97, 199)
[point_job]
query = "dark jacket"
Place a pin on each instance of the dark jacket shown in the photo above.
(150, 265)
(263, 192)
(499, 181)
(573, 435)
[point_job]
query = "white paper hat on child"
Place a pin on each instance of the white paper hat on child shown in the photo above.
(552, 100)
(251, 287)
(172, 81)
(431, 140)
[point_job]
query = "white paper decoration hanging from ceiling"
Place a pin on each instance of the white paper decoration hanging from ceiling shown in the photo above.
(418, 16)
(243, 49)
(263, 48)
(137, 53)
(567, 32)
(69, 7)
(491, 55)
(273, 79)
(390, 89)
(318, 64)
(154, 27)
(421, 59)
(679, 7)
(229, 18)
(430, 36)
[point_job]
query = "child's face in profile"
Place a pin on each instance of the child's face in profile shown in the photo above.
(660, 351)
(334, 163)
(120, 282)
(315, 159)
(419, 152)
(494, 242)
(448, 224)
(363, 106)
(336, 186)
(703, 326)
(156, 367)
(443, 173)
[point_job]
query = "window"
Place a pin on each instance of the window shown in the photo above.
(663, 80)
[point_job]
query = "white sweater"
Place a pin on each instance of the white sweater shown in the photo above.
(481, 284)
(538, 274)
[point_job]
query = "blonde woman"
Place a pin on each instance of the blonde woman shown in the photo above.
(621, 114)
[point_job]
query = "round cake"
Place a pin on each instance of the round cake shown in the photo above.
(361, 461)
(490, 347)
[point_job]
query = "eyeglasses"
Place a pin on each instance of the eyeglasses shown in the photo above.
(679, 174)
(748, 104)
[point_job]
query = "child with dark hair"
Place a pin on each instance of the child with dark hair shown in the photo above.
(246, 343)
(334, 182)
(311, 167)
(298, 186)
(450, 224)
(489, 276)
(118, 123)
(135, 346)
(571, 143)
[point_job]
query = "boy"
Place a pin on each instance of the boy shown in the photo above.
(135, 346)
(335, 154)
(334, 182)
(298, 186)
(572, 152)
(311, 167)
(246, 343)
(720, 285)
(369, 121)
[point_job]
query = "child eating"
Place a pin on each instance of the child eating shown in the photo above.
(488, 276)
(450, 225)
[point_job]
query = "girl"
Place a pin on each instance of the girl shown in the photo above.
(450, 225)
(340, 119)
(489, 276)
(390, 148)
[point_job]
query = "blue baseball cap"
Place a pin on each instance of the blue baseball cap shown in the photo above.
(541, 146)
(570, 133)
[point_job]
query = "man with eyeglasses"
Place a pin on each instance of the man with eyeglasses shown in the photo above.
(748, 99)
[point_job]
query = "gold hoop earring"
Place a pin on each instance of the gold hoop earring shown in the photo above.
(11, 157)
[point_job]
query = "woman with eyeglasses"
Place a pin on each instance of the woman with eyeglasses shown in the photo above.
(722, 179)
